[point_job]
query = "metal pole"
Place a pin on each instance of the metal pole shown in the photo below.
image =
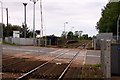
(1, 10)
(34, 2)
(1, 35)
(25, 19)
(34, 23)
(64, 28)
(7, 21)
(42, 23)
(65, 25)
(41, 18)
(118, 28)
(1, 31)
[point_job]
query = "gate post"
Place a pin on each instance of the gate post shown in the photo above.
(108, 59)
(102, 56)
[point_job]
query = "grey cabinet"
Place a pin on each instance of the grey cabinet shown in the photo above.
(115, 59)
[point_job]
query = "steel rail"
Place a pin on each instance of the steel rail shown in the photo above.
(33, 70)
(63, 73)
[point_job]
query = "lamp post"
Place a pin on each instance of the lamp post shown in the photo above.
(64, 28)
(118, 25)
(65, 25)
(41, 18)
(7, 15)
(34, 2)
(25, 25)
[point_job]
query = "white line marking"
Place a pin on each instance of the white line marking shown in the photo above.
(27, 52)
(16, 49)
(93, 56)
(85, 57)
(56, 51)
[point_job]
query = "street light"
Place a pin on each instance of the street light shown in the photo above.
(64, 28)
(118, 23)
(65, 25)
(25, 25)
(34, 2)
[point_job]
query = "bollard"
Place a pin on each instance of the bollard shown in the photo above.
(95, 44)
(108, 59)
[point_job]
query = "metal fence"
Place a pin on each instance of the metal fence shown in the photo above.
(20, 41)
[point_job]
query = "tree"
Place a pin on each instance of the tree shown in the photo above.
(29, 34)
(85, 36)
(78, 33)
(108, 21)
(70, 35)
(8, 30)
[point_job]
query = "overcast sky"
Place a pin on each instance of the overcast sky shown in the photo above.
(80, 14)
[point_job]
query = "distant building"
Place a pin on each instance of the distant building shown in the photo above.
(51, 40)
(16, 34)
(99, 37)
(47, 40)
(114, 0)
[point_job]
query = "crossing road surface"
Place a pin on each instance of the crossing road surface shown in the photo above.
(84, 57)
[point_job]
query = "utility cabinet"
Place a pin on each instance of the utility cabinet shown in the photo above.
(115, 59)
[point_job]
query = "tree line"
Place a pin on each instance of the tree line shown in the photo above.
(8, 31)
(77, 35)
(108, 21)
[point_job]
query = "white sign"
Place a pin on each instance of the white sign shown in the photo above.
(16, 34)
(114, 0)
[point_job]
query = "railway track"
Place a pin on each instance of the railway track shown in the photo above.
(23, 66)
(61, 64)
(50, 70)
